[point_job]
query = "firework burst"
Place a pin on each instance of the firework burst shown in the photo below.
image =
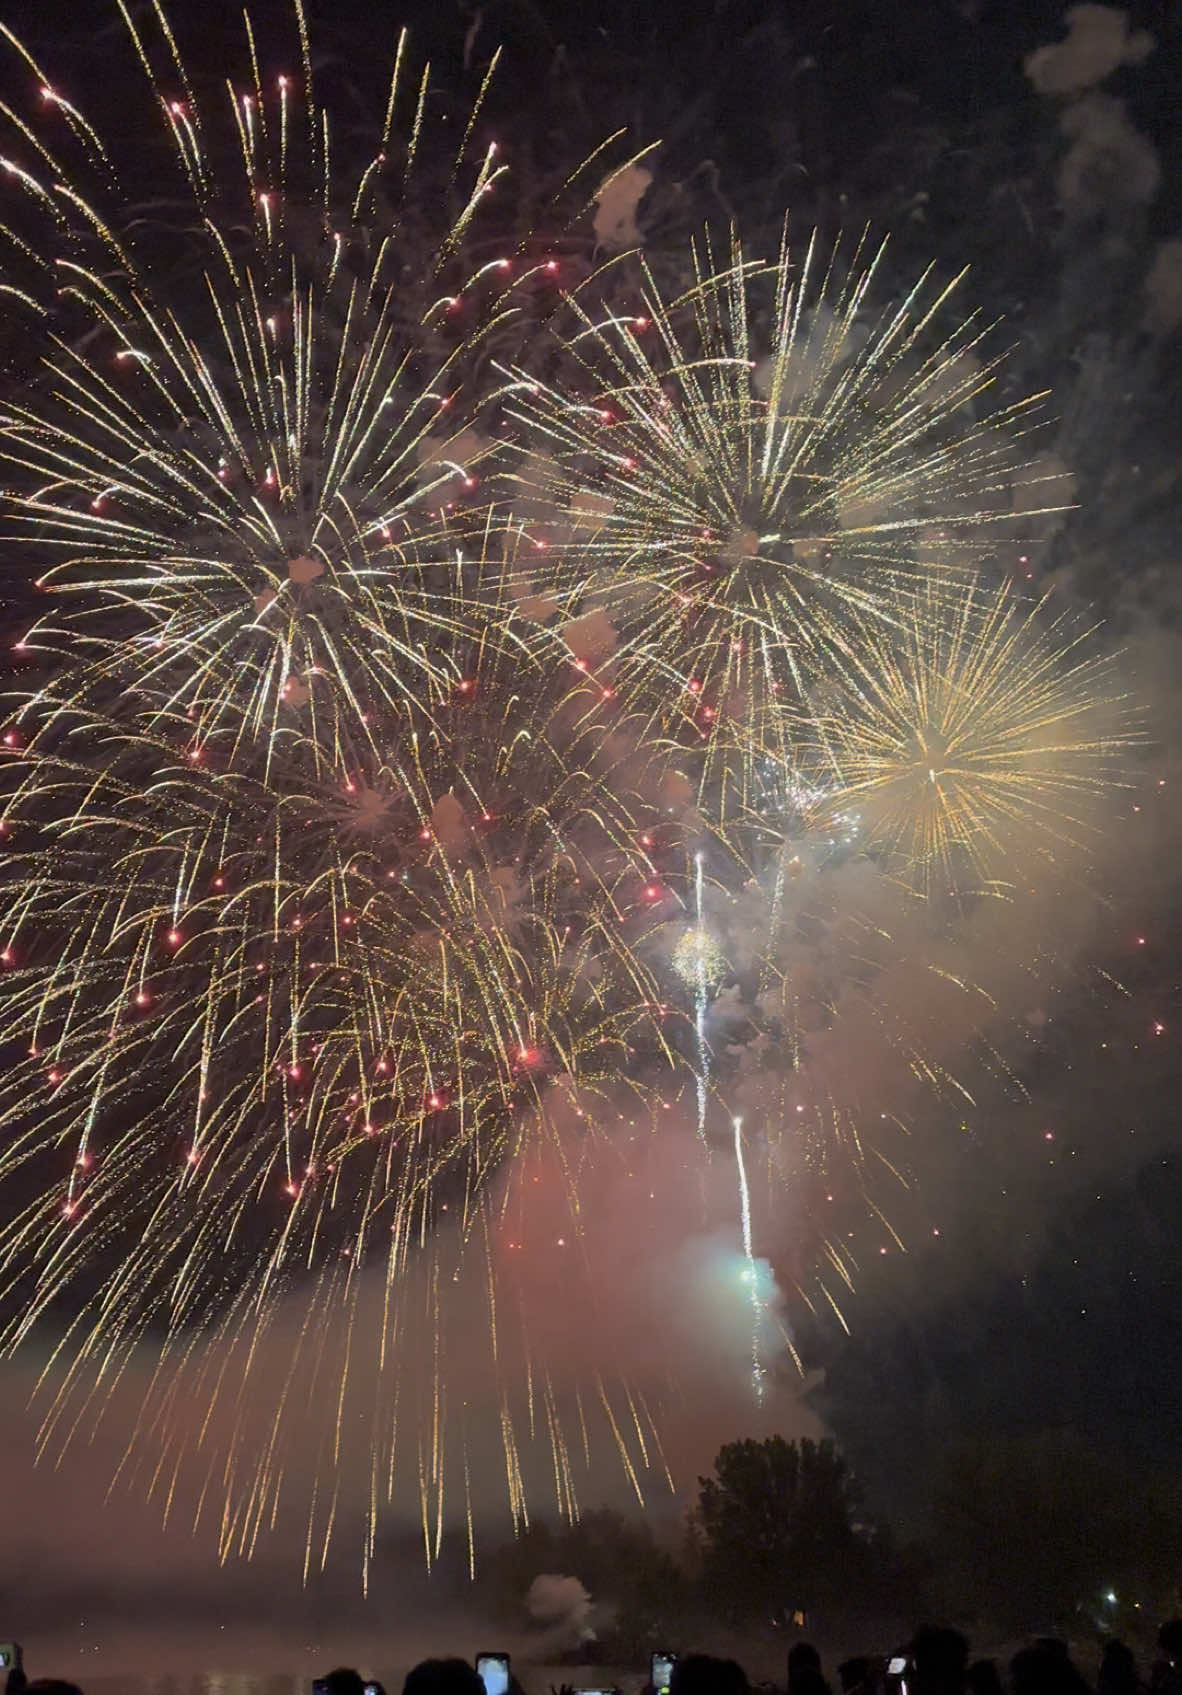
(744, 470)
(407, 810)
(979, 732)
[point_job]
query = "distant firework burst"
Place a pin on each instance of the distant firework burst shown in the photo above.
(979, 732)
(434, 791)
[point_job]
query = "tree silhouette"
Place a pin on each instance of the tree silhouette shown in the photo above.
(777, 1529)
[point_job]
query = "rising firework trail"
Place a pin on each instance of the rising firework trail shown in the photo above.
(751, 1270)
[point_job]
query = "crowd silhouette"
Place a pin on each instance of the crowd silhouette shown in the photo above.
(935, 1662)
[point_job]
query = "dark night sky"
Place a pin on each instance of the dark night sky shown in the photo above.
(1051, 1294)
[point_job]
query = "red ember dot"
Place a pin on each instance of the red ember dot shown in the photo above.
(175, 938)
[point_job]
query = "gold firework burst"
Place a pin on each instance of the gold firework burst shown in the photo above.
(973, 735)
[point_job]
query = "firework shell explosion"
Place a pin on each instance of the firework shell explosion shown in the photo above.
(743, 471)
(439, 790)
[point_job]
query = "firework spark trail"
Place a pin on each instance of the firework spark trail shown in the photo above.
(701, 1005)
(751, 1271)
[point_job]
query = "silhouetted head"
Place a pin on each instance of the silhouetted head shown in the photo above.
(803, 1655)
(443, 1677)
(940, 1656)
(1169, 1640)
(53, 1686)
(344, 1681)
(982, 1678)
(702, 1674)
(1118, 1669)
(1046, 1669)
(807, 1681)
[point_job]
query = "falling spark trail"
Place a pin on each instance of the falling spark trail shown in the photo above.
(750, 1273)
(700, 1004)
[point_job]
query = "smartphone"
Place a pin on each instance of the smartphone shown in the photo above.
(10, 1655)
(493, 1672)
(897, 1666)
(660, 1673)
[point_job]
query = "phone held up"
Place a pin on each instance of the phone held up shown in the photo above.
(661, 1671)
(493, 1672)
